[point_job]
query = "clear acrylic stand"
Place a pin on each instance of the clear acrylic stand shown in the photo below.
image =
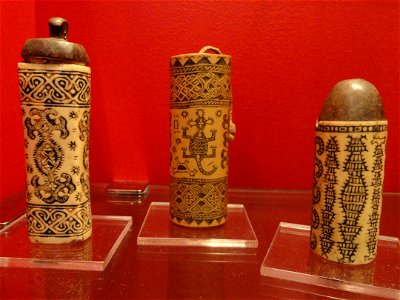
(93, 254)
(289, 258)
(130, 188)
(158, 230)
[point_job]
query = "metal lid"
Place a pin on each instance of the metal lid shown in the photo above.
(56, 48)
(353, 100)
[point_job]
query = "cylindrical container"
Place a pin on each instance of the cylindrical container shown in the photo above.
(350, 146)
(200, 114)
(54, 82)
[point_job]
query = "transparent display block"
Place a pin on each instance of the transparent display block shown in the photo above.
(93, 254)
(158, 230)
(289, 258)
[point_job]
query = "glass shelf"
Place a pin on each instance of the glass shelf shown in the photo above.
(93, 254)
(289, 258)
(158, 230)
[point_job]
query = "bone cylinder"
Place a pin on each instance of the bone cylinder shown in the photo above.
(350, 147)
(54, 84)
(200, 113)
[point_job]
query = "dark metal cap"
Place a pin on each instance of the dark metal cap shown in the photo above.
(56, 48)
(353, 100)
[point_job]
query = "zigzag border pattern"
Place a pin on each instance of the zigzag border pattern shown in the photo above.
(199, 59)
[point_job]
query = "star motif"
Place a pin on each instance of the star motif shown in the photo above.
(184, 114)
(73, 115)
(178, 141)
(78, 197)
(72, 145)
(218, 113)
(75, 170)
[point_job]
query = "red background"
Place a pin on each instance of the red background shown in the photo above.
(287, 55)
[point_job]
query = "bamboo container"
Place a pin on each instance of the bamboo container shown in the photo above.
(54, 82)
(350, 146)
(200, 120)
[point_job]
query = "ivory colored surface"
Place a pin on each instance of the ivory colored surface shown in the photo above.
(55, 107)
(347, 197)
(200, 112)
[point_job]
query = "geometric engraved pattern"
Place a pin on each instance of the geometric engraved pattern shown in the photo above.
(328, 215)
(206, 85)
(376, 183)
(55, 105)
(316, 197)
(224, 153)
(54, 88)
(63, 221)
(353, 197)
(352, 129)
(348, 179)
(200, 102)
(202, 202)
(200, 80)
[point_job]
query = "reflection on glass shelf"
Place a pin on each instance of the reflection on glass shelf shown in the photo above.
(93, 254)
(131, 188)
(289, 258)
(158, 230)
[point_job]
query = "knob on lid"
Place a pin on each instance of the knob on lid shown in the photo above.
(56, 48)
(353, 100)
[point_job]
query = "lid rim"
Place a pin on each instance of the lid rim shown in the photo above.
(53, 48)
(56, 47)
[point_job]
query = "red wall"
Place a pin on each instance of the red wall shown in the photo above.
(287, 55)
(17, 22)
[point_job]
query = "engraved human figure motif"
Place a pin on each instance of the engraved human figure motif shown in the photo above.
(198, 145)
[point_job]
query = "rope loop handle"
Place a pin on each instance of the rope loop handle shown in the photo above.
(210, 48)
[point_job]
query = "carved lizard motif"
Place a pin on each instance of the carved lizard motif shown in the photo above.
(198, 145)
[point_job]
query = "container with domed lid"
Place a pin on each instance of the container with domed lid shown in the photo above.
(54, 82)
(350, 149)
